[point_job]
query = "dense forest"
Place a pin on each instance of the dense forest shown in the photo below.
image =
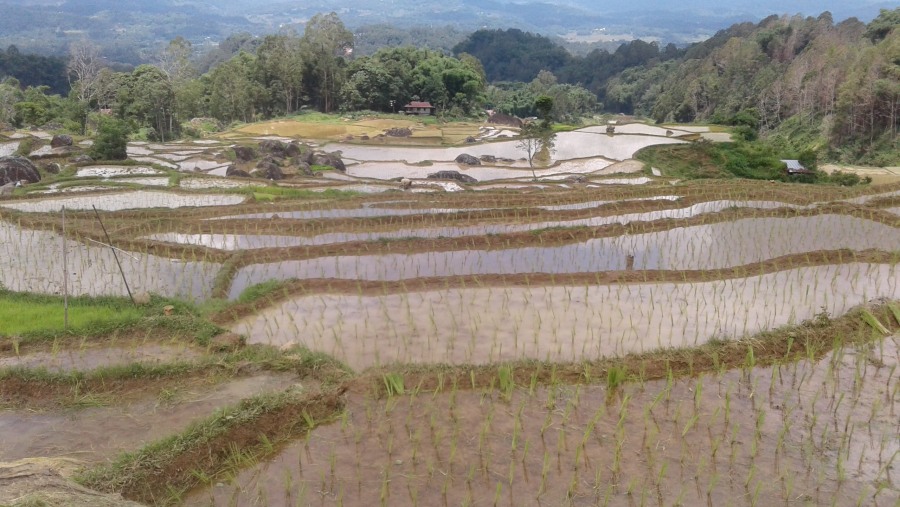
(806, 83)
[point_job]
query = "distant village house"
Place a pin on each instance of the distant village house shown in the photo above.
(794, 167)
(420, 108)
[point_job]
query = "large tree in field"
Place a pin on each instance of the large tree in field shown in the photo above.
(234, 94)
(147, 97)
(325, 44)
(280, 64)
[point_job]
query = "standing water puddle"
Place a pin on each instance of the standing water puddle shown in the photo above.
(95, 433)
(90, 358)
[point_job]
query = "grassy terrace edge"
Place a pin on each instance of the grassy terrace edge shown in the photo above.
(256, 428)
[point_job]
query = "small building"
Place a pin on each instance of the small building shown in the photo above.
(794, 167)
(421, 108)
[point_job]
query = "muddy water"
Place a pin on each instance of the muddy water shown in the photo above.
(569, 145)
(561, 323)
(128, 200)
(807, 433)
(92, 357)
(712, 246)
(224, 241)
(97, 433)
(114, 171)
(370, 210)
(32, 261)
(866, 198)
(391, 170)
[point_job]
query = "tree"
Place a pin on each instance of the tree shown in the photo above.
(325, 43)
(234, 94)
(281, 67)
(175, 60)
(146, 96)
(536, 140)
(84, 69)
(111, 141)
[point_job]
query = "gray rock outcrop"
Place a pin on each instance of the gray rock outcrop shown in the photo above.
(452, 175)
(329, 160)
(244, 153)
(14, 168)
(60, 140)
(233, 172)
(466, 159)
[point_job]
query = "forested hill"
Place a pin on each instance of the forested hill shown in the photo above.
(808, 82)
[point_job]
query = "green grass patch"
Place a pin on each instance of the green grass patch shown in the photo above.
(260, 290)
(37, 317)
(28, 315)
(261, 193)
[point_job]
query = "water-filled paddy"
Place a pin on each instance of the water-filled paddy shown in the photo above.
(704, 441)
(700, 247)
(477, 230)
(32, 261)
(96, 433)
(121, 201)
(561, 323)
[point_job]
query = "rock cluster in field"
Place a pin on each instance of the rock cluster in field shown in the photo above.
(14, 168)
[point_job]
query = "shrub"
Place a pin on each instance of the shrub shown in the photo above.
(111, 141)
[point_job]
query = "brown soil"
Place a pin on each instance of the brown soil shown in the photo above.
(286, 422)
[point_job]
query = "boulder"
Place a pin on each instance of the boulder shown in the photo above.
(51, 168)
(7, 189)
(452, 175)
(293, 150)
(60, 140)
(330, 160)
(244, 153)
(471, 140)
(405, 183)
(489, 159)
(303, 168)
(273, 147)
(234, 172)
(505, 119)
(269, 170)
(81, 159)
(466, 159)
(14, 168)
(398, 132)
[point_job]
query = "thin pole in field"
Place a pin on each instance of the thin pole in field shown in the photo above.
(115, 256)
(65, 273)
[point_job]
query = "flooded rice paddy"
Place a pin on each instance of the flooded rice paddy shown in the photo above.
(702, 247)
(763, 436)
(96, 432)
(561, 323)
(92, 268)
(123, 201)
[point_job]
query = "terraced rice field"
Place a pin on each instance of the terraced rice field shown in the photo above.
(556, 343)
